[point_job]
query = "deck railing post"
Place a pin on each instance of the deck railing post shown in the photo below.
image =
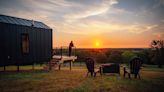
(75, 52)
(70, 65)
(49, 64)
(61, 51)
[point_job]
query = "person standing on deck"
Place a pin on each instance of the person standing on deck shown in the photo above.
(70, 47)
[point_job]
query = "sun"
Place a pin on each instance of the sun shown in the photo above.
(97, 44)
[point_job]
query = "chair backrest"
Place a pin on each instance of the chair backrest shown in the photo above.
(90, 64)
(135, 65)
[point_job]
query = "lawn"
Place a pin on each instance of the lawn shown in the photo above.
(76, 81)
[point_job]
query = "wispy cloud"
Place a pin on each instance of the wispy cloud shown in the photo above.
(75, 15)
(92, 17)
(84, 11)
(158, 3)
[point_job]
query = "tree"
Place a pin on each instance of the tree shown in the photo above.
(101, 57)
(128, 55)
(145, 55)
(82, 55)
(158, 48)
(115, 57)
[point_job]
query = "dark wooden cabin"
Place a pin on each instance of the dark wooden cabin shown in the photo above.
(24, 42)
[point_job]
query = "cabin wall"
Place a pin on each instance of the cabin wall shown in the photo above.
(40, 45)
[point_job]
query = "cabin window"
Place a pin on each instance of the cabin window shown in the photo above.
(25, 43)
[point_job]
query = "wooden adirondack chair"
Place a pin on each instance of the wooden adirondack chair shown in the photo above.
(90, 66)
(135, 66)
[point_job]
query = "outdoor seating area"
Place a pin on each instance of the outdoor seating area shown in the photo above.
(135, 66)
(103, 68)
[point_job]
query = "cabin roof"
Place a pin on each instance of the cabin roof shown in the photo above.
(21, 21)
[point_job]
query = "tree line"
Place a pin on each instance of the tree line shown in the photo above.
(153, 55)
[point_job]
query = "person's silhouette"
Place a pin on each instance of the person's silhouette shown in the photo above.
(70, 47)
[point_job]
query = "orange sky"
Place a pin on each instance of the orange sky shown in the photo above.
(106, 41)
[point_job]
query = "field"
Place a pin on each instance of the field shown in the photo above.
(76, 81)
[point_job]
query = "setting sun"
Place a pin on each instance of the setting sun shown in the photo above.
(97, 44)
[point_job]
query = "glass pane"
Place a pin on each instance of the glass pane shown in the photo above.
(25, 43)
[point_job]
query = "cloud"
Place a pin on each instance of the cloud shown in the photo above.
(140, 28)
(81, 16)
(98, 27)
(158, 3)
(158, 32)
(162, 20)
(159, 35)
(84, 11)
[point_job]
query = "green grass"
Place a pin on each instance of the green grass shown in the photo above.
(76, 81)
(27, 67)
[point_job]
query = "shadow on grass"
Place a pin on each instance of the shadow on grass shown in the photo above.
(22, 75)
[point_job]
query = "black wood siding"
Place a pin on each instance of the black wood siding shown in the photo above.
(40, 45)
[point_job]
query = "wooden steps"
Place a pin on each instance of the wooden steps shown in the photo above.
(53, 64)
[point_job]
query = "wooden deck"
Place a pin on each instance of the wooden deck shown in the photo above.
(62, 59)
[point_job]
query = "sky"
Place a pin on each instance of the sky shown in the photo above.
(94, 23)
